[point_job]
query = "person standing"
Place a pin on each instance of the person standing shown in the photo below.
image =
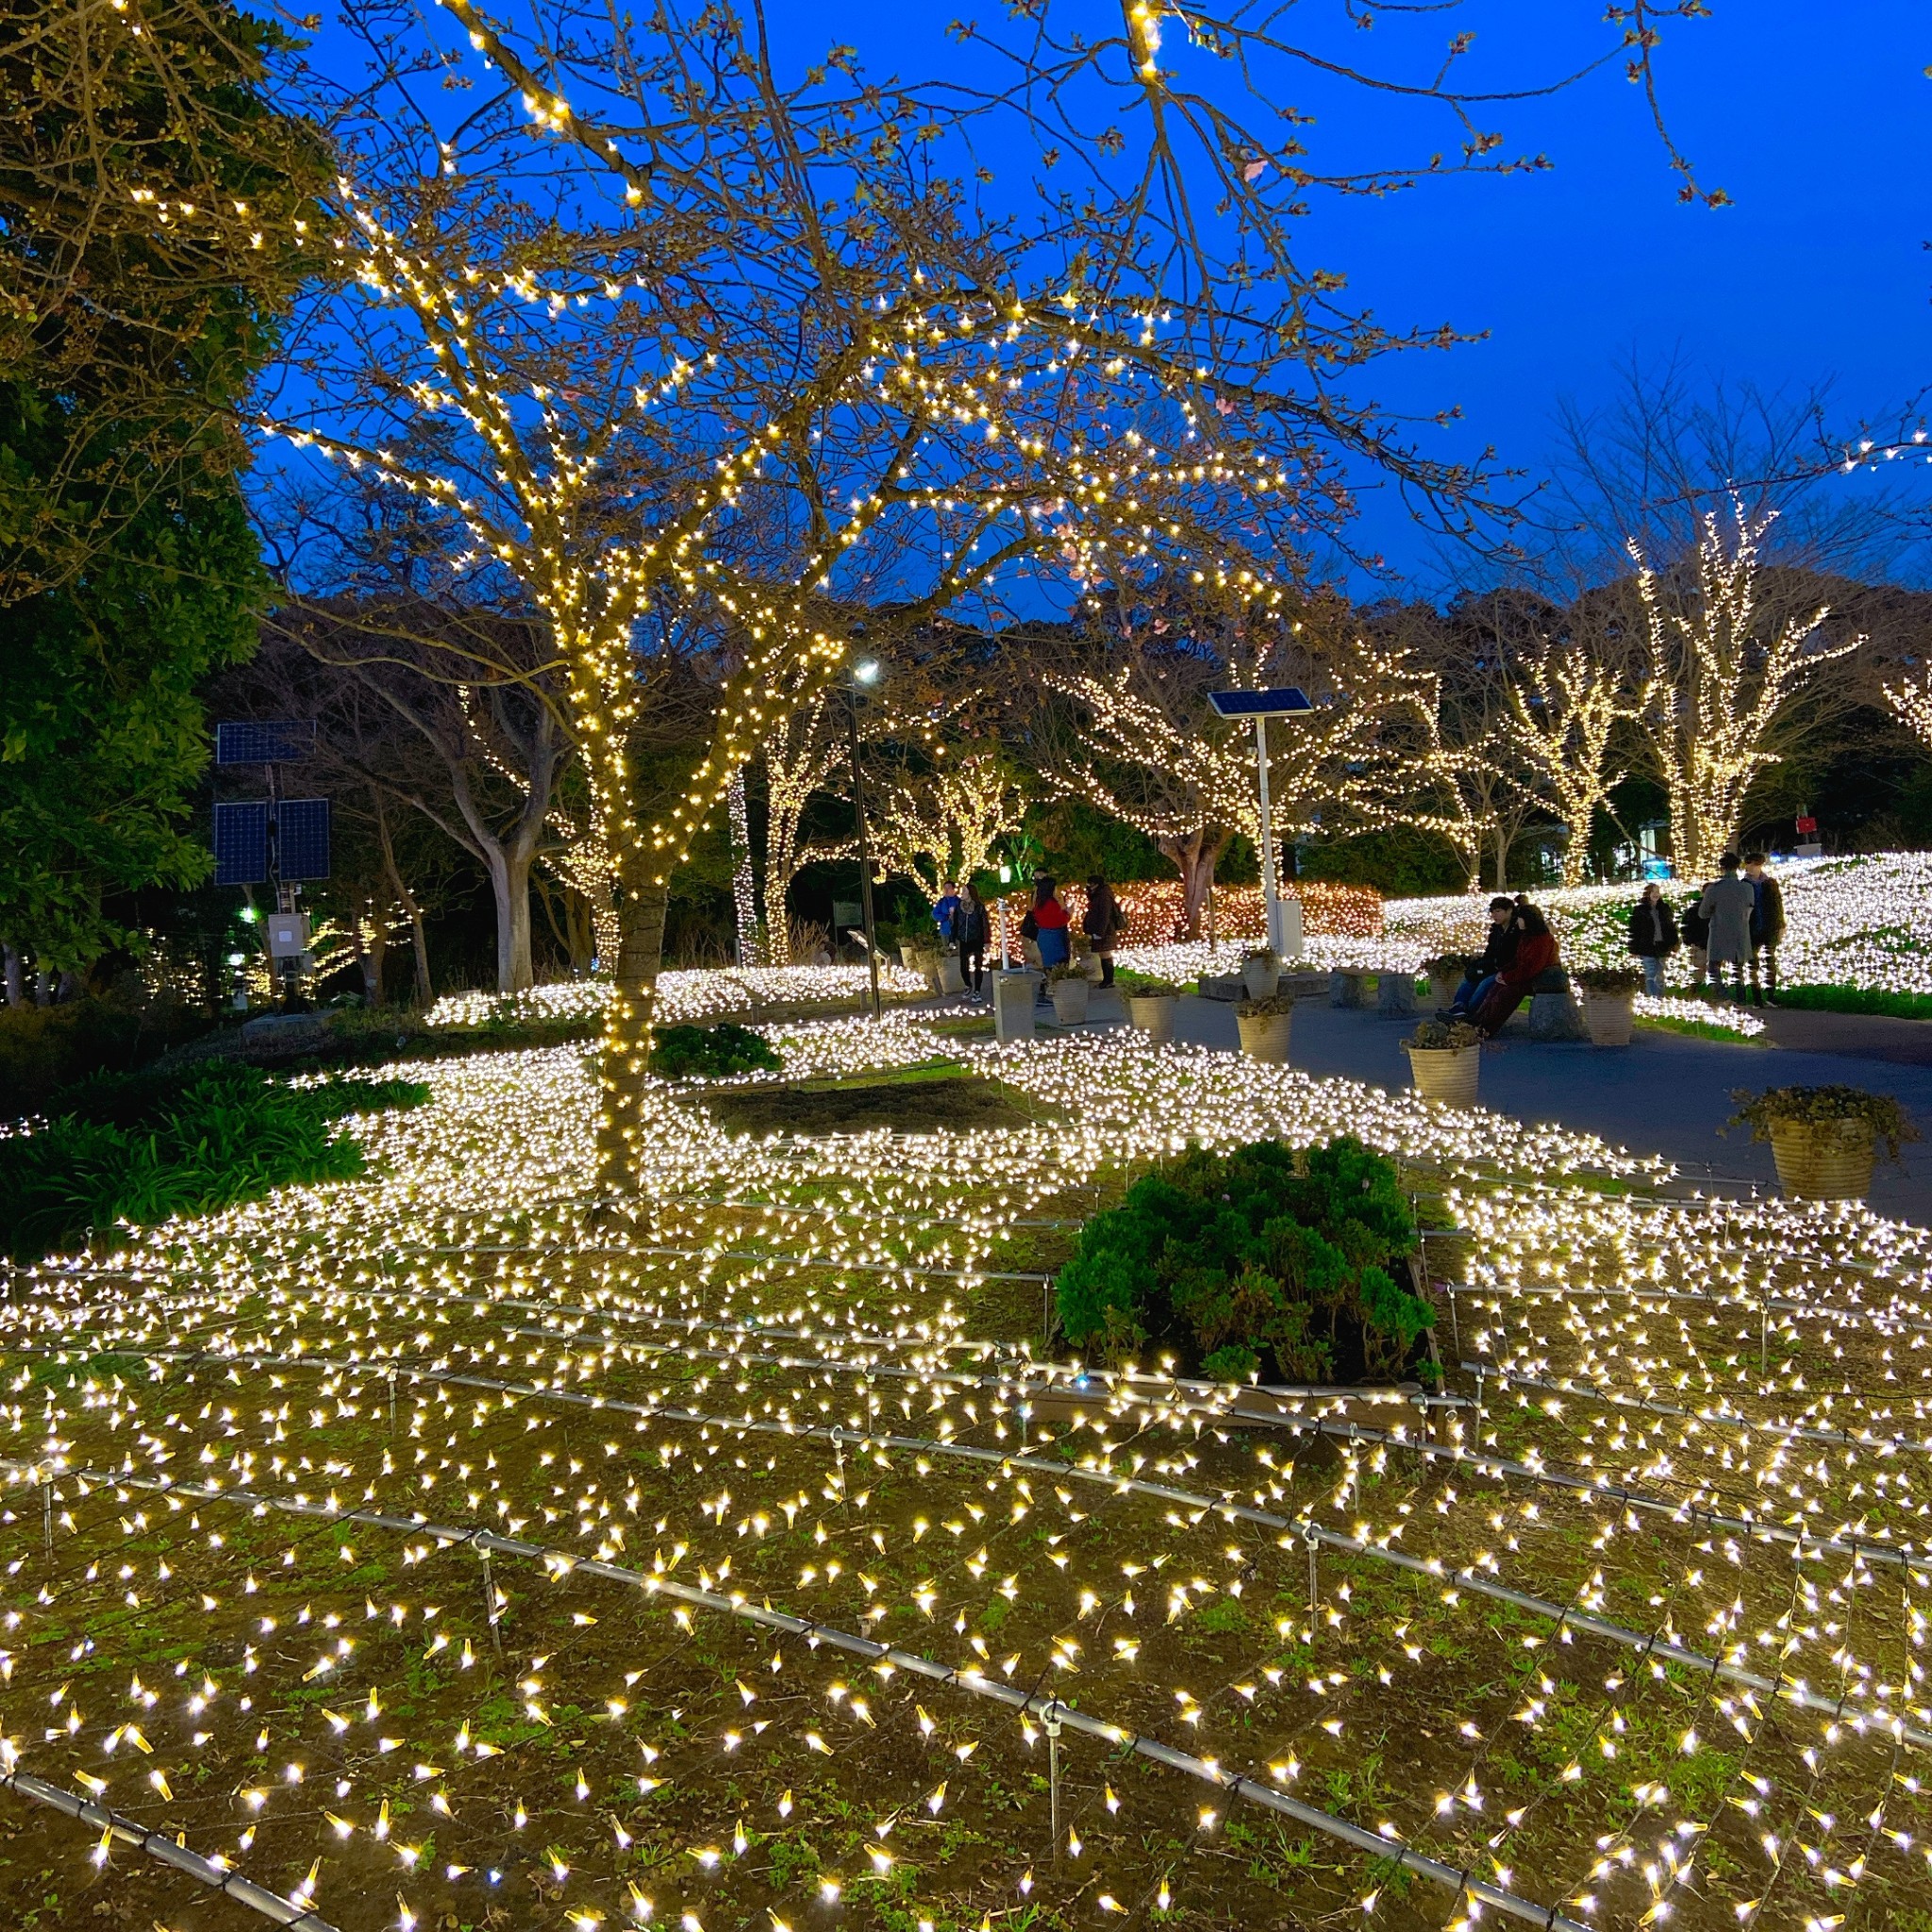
(1653, 936)
(1726, 908)
(1766, 927)
(970, 924)
(1046, 925)
(1103, 923)
(946, 910)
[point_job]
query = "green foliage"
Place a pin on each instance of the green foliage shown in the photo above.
(1610, 979)
(709, 1053)
(1265, 1256)
(1400, 862)
(128, 570)
(1856, 999)
(45, 1048)
(141, 1147)
(1078, 840)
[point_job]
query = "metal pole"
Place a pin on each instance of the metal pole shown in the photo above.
(1270, 887)
(47, 1518)
(872, 946)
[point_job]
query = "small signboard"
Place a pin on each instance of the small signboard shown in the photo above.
(1282, 702)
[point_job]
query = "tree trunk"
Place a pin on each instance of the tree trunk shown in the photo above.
(16, 977)
(623, 1064)
(372, 964)
(509, 886)
(778, 917)
(1196, 856)
(1502, 844)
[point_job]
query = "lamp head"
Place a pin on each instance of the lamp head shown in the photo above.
(866, 670)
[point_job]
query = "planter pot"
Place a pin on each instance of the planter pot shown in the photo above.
(1445, 1072)
(1259, 979)
(1264, 1035)
(1443, 986)
(1824, 1160)
(1090, 963)
(1610, 1017)
(1012, 1006)
(1069, 998)
(951, 975)
(1153, 1015)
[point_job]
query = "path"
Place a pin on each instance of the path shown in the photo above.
(1666, 1093)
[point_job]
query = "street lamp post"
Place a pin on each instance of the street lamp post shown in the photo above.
(1261, 706)
(864, 673)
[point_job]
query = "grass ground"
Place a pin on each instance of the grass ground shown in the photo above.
(793, 1401)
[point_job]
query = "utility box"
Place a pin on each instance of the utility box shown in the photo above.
(1013, 994)
(288, 935)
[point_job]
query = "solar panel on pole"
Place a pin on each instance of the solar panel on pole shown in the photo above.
(241, 843)
(264, 742)
(301, 830)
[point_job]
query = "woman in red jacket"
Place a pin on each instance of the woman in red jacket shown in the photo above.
(1534, 955)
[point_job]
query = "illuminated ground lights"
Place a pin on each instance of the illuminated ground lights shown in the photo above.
(445, 1543)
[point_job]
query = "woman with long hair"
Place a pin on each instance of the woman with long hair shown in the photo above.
(1103, 922)
(1533, 955)
(1046, 925)
(970, 924)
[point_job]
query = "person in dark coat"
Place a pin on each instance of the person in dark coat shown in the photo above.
(1480, 974)
(1533, 954)
(1767, 927)
(1694, 930)
(1103, 923)
(1653, 936)
(971, 924)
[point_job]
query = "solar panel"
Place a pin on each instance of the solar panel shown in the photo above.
(302, 839)
(260, 741)
(1279, 703)
(241, 843)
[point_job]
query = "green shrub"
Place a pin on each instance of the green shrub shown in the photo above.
(709, 1053)
(1857, 999)
(45, 1048)
(141, 1147)
(1265, 1257)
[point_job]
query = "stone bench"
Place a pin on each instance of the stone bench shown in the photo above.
(1554, 1013)
(1345, 987)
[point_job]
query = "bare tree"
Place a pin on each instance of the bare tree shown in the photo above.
(945, 826)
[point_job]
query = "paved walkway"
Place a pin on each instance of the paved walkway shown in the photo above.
(1665, 1093)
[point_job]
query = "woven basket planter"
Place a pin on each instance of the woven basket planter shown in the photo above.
(1610, 1017)
(1445, 1072)
(1153, 1014)
(1443, 986)
(1824, 1160)
(1069, 997)
(1264, 1035)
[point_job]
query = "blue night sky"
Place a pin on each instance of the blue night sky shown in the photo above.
(1814, 119)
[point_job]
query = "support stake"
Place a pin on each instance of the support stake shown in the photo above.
(1052, 1772)
(489, 1604)
(1314, 1575)
(47, 1518)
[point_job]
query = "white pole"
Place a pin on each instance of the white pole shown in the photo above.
(1270, 888)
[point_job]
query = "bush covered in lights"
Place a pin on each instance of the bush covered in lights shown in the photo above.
(709, 1053)
(1287, 1260)
(141, 1147)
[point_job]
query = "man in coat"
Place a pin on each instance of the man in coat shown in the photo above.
(1766, 927)
(1726, 906)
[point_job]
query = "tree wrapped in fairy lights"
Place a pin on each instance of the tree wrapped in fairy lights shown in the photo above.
(671, 363)
(1717, 707)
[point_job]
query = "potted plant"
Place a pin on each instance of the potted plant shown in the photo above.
(1086, 958)
(1068, 986)
(951, 975)
(1151, 1008)
(1609, 995)
(1264, 1027)
(1444, 1058)
(1445, 974)
(1825, 1140)
(1261, 972)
